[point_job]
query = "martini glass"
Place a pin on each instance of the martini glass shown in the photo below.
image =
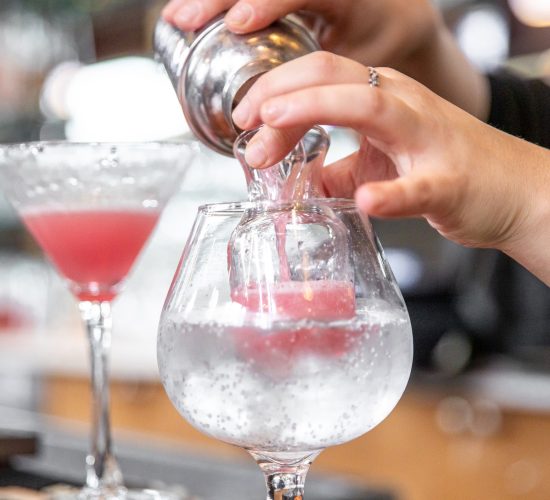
(284, 331)
(91, 207)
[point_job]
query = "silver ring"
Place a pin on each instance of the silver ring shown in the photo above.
(374, 77)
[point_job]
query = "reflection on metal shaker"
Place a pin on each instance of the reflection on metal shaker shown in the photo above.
(212, 69)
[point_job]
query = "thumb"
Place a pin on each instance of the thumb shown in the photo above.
(415, 195)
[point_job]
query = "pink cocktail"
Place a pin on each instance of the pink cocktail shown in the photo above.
(94, 249)
(325, 300)
(304, 301)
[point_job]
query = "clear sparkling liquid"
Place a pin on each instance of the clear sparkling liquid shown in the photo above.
(296, 387)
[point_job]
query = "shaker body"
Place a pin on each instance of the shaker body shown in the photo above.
(212, 69)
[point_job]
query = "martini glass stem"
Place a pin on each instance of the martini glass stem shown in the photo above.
(102, 471)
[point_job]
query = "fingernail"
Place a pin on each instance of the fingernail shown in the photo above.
(189, 13)
(239, 15)
(241, 113)
(273, 111)
(255, 154)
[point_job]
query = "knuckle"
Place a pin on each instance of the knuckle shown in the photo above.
(390, 72)
(373, 102)
(423, 192)
(324, 62)
(288, 138)
(403, 81)
(399, 199)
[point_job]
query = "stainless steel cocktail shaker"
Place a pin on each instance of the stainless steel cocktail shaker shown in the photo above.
(212, 69)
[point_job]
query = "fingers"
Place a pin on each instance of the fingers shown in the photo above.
(341, 178)
(388, 122)
(269, 145)
(338, 178)
(243, 16)
(408, 196)
(170, 8)
(252, 15)
(381, 116)
(190, 15)
(317, 69)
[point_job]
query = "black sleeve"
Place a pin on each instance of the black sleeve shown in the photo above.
(517, 321)
(521, 107)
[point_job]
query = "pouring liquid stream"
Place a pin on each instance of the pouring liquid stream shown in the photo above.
(311, 279)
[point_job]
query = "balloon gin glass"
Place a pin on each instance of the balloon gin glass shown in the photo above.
(284, 331)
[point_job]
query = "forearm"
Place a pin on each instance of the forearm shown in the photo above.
(444, 69)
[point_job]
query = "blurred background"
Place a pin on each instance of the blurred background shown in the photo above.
(475, 421)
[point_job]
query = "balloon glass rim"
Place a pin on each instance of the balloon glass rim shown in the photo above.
(239, 207)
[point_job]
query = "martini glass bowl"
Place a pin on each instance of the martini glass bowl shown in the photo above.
(91, 207)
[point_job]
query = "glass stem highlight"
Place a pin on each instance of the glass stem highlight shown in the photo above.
(102, 471)
(284, 480)
(285, 486)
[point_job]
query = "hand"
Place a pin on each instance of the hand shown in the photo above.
(369, 31)
(408, 35)
(420, 155)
